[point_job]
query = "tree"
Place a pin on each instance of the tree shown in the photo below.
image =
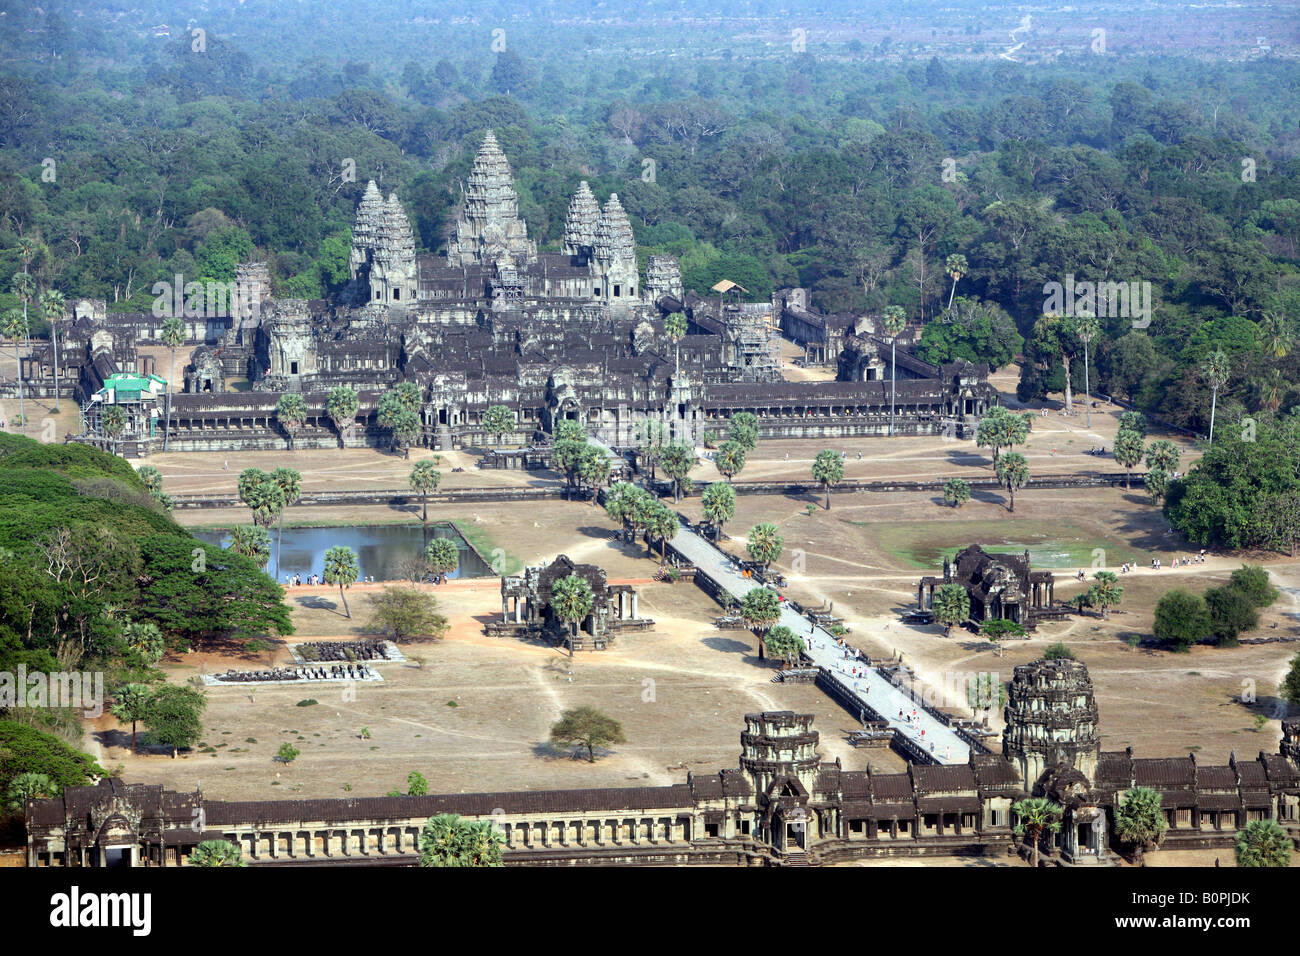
(784, 643)
(594, 469)
(999, 429)
(1290, 689)
(1013, 473)
(53, 307)
(133, 703)
(956, 492)
(144, 638)
(951, 606)
(287, 753)
(172, 335)
(395, 413)
(291, 413)
(764, 544)
(1034, 817)
(1156, 484)
(1086, 328)
(1163, 455)
(341, 568)
(571, 602)
(567, 455)
(1140, 820)
(743, 429)
(28, 786)
(1054, 335)
(1133, 422)
(956, 267)
(252, 542)
(1216, 370)
(113, 420)
(1106, 592)
(499, 421)
(1263, 843)
(986, 692)
(174, 716)
(652, 435)
(266, 501)
(1252, 580)
(407, 614)
(1058, 652)
(828, 470)
(675, 329)
(718, 504)
(442, 556)
(760, 608)
(895, 321)
(1231, 613)
(342, 406)
(416, 785)
(1181, 619)
(214, 853)
(678, 459)
(15, 327)
(289, 481)
(730, 459)
(588, 728)
(449, 840)
(661, 522)
(424, 478)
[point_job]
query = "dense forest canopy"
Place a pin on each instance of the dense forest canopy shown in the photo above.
(138, 143)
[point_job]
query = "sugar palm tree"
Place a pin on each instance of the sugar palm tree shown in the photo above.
(1140, 820)
(173, 336)
(956, 266)
(1086, 328)
(951, 606)
(15, 326)
(24, 286)
(448, 840)
(424, 478)
(1263, 843)
(442, 556)
(1215, 370)
(217, 853)
(341, 406)
(827, 470)
(341, 568)
(718, 504)
(571, 602)
(253, 542)
(764, 544)
(289, 482)
(729, 459)
(1128, 451)
(1013, 473)
(291, 413)
(675, 327)
(894, 322)
(593, 468)
(1276, 335)
(52, 305)
(1034, 817)
(661, 522)
(113, 420)
(1106, 592)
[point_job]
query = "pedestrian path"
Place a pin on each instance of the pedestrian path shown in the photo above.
(928, 736)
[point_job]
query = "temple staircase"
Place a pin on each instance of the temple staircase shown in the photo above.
(796, 857)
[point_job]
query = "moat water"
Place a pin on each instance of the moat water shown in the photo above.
(380, 549)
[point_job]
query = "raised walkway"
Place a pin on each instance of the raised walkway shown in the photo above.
(924, 738)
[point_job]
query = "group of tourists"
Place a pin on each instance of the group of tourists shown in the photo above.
(315, 580)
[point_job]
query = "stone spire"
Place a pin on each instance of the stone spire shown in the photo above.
(489, 224)
(582, 223)
(369, 221)
(614, 242)
(663, 276)
(1051, 720)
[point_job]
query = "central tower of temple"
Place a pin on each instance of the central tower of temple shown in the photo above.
(489, 228)
(1051, 717)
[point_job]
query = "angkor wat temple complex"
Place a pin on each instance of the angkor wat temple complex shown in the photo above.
(781, 806)
(573, 334)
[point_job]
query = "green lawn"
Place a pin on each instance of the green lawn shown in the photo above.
(1051, 544)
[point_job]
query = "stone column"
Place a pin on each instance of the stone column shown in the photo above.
(636, 615)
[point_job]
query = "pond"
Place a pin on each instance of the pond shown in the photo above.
(380, 549)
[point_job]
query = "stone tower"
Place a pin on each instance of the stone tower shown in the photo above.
(582, 224)
(779, 745)
(663, 276)
(615, 253)
(382, 260)
(1290, 744)
(489, 226)
(1051, 717)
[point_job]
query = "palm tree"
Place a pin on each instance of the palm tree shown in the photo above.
(760, 609)
(1086, 328)
(827, 470)
(173, 336)
(1215, 370)
(424, 479)
(290, 483)
(24, 286)
(1128, 451)
(678, 459)
(15, 325)
(1013, 473)
(449, 840)
(571, 601)
(661, 522)
(216, 853)
(1263, 843)
(52, 305)
(719, 504)
(764, 544)
(956, 266)
(132, 704)
(1034, 817)
(265, 499)
(593, 468)
(341, 568)
(675, 327)
(291, 413)
(113, 420)
(341, 406)
(1106, 593)
(729, 459)
(1276, 335)
(442, 556)
(951, 606)
(895, 321)
(253, 542)
(1140, 820)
